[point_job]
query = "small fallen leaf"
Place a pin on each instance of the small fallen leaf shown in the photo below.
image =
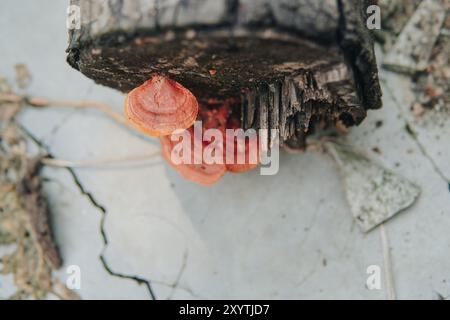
(374, 194)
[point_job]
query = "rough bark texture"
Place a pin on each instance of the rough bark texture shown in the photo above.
(36, 207)
(296, 64)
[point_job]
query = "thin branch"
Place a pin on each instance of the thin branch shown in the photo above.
(389, 278)
(42, 102)
(97, 162)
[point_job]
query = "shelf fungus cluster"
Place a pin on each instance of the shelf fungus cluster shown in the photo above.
(163, 108)
(160, 106)
(297, 66)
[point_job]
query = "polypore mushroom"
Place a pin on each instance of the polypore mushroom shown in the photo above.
(206, 174)
(203, 174)
(221, 117)
(215, 115)
(241, 150)
(160, 106)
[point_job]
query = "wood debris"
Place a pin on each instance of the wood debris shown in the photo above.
(432, 87)
(414, 45)
(24, 212)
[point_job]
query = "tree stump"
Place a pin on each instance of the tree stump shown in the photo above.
(293, 65)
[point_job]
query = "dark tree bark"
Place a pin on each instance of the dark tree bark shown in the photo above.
(296, 65)
(36, 207)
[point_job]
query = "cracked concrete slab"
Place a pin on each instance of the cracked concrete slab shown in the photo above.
(430, 130)
(419, 238)
(241, 241)
(74, 219)
(286, 236)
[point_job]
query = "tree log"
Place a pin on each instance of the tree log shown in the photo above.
(296, 65)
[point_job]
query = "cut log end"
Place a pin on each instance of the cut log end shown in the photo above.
(284, 77)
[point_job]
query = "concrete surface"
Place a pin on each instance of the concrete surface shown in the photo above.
(287, 236)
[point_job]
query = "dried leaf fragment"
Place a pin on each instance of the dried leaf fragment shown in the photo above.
(374, 194)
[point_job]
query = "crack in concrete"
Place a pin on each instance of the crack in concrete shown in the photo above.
(414, 135)
(139, 280)
(180, 274)
(62, 123)
(102, 209)
(440, 296)
(92, 200)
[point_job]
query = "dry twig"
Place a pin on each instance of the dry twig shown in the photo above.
(97, 162)
(42, 102)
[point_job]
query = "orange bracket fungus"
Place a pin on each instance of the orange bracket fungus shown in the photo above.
(247, 149)
(164, 108)
(160, 106)
(268, 83)
(199, 170)
(203, 173)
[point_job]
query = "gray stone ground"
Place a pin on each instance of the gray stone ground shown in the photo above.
(287, 236)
